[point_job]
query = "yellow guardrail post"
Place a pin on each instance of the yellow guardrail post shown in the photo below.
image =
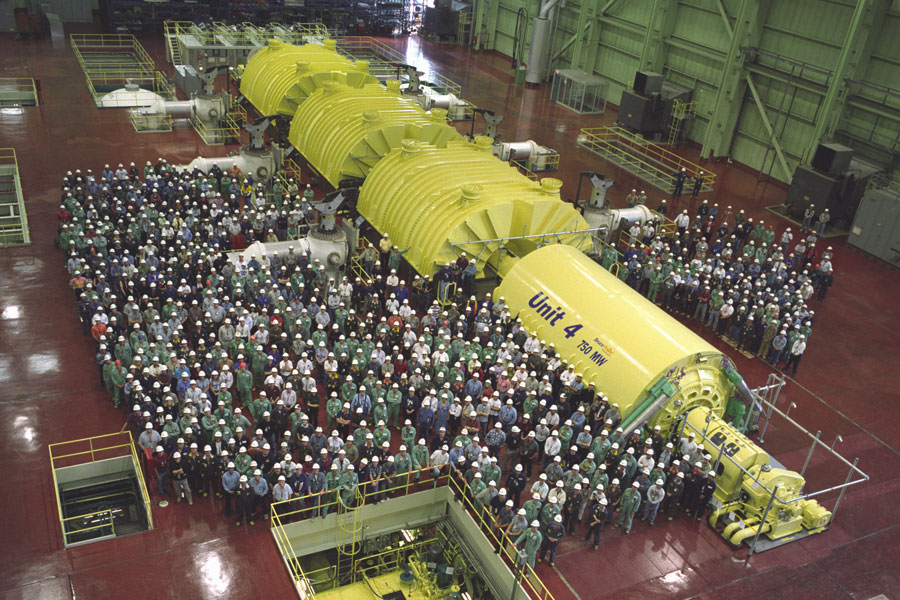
(60, 451)
(644, 158)
(412, 480)
(14, 228)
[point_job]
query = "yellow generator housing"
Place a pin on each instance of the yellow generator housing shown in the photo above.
(440, 202)
(343, 131)
(613, 336)
(279, 76)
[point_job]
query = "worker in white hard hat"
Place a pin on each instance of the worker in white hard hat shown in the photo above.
(554, 532)
(654, 497)
(244, 501)
(631, 501)
(260, 488)
(598, 517)
(530, 541)
(178, 468)
(705, 490)
(674, 492)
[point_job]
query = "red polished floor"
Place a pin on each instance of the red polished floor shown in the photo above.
(846, 385)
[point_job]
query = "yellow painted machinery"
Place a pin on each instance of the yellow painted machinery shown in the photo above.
(438, 196)
(743, 452)
(439, 202)
(641, 358)
(343, 131)
(425, 186)
(658, 372)
(279, 77)
(755, 511)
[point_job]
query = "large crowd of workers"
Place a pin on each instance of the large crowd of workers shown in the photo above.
(743, 280)
(274, 380)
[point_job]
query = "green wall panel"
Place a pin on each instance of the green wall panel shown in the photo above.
(807, 35)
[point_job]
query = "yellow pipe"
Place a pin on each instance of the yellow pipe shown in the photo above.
(716, 514)
(743, 534)
(729, 531)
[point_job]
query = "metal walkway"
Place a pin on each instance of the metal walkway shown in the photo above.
(651, 163)
(110, 61)
(13, 217)
(18, 91)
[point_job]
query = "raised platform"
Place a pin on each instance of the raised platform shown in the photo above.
(18, 91)
(14, 229)
(646, 160)
(396, 531)
(112, 61)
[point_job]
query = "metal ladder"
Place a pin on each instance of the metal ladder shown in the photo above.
(682, 112)
(349, 538)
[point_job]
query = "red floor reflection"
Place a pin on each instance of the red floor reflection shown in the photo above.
(846, 385)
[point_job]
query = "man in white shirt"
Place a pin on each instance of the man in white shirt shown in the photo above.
(797, 351)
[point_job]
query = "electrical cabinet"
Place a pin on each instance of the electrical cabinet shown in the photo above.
(876, 228)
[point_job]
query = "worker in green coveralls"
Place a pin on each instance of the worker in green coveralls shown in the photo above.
(532, 539)
(631, 501)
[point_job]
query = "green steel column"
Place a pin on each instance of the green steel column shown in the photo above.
(779, 153)
(659, 28)
(593, 43)
(478, 19)
(868, 16)
(748, 27)
(491, 23)
(586, 17)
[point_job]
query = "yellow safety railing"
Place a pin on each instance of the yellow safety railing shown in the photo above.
(523, 168)
(356, 267)
(665, 227)
(404, 484)
(290, 556)
(551, 163)
(150, 123)
(505, 545)
(18, 91)
(228, 131)
(240, 113)
(14, 228)
(324, 578)
(639, 156)
(107, 46)
(108, 524)
(93, 449)
(380, 55)
(681, 111)
(113, 60)
(290, 168)
(411, 482)
(221, 36)
(235, 73)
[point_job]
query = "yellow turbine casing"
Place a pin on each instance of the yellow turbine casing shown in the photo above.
(343, 132)
(625, 344)
(279, 76)
(428, 198)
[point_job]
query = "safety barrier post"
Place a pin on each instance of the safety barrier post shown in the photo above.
(843, 490)
(762, 521)
(812, 449)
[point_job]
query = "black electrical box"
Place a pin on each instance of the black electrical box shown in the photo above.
(647, 82)
(832, 158)
(636, 113)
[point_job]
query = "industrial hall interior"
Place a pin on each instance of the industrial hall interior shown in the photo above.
(450, 299)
